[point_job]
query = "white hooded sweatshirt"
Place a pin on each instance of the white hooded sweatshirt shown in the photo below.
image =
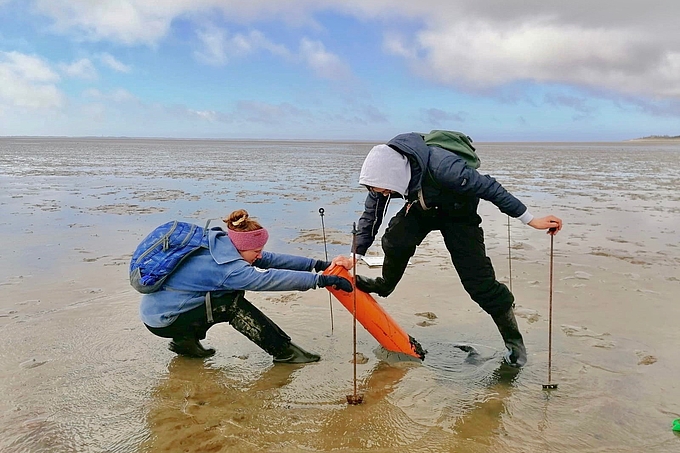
(385, 168)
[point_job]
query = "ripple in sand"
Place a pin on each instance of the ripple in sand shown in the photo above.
(32, 363)
(576, 331)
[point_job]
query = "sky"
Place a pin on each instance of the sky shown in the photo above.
(498, 70)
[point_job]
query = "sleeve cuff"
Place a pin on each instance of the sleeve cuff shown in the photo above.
(526, 217)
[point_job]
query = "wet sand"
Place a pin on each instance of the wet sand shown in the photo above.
(79, 372)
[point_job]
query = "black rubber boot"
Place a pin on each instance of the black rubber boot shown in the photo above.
(374, 285)
(190, 347)
(295, 354)
(516, 355)
(392, 270)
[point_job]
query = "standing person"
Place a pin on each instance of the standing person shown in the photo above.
(209, 286)
(442, 193)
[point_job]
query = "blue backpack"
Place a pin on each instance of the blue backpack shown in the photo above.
(162, 251)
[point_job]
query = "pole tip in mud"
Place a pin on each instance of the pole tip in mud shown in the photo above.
(549, 386)
(355, 400)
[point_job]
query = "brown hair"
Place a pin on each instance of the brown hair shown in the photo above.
(240, 221)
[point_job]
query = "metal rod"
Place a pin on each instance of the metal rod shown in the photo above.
(551, 312)
(354, 305)
(354, 398)
(325, 249)
(550, 385)
(509, 256)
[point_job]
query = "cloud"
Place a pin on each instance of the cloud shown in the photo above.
(480, 46)
(124, 21)
(580, 104)
(633, 49)
(480, 55)
(263, 112)
(111, 62)
(81, 69)
(325, 64)
(218, 47)
(207, 115)
(27, 81)
(437, 117)
(119, 95)
(29, 67)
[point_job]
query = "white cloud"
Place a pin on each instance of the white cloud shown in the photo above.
(27, 81)
(632, 48)
(396, 45)
(214, 51)
(119, 95)
(479, 55)
(125, 21)
(218, 47)
(29, 67)
(82, 69)
(323, 63)
(111, 62)
(208, 115)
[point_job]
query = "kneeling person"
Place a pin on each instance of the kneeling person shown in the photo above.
(209, 287)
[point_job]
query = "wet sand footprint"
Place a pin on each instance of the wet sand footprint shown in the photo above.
(645, 359)
(429, 321)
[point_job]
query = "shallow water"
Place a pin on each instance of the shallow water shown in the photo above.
(80, 373)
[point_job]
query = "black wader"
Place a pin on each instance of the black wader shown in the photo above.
(235, 309)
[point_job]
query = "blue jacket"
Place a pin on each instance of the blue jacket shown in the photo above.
(219, 268)
(443, 180)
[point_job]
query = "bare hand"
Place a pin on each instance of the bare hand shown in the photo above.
(551, 223)
(343, 261)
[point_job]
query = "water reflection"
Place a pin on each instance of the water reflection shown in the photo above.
(201, 407)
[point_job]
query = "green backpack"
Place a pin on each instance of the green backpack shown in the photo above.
(456, 142)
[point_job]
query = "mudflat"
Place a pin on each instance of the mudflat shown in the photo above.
(79, 372)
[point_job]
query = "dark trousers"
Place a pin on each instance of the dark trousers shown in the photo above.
(237, 311)
(464, 239)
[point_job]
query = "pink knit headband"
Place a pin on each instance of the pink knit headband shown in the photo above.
(248, 240)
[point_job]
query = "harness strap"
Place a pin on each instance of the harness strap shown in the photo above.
(421, 199)
(208, 308)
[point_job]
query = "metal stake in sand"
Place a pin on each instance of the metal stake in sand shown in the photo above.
(325, 249)
(550, 385)
(509, 257)
(354, 399)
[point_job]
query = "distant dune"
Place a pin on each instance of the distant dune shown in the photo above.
(658, 137)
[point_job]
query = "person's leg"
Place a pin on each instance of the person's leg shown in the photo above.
(258, 328)
(405, 232)
(186, 331)
(465, 242)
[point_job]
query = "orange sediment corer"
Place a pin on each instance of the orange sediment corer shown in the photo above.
(374, 319)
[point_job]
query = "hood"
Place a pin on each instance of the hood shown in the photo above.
(221, 248)
(386, 168)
